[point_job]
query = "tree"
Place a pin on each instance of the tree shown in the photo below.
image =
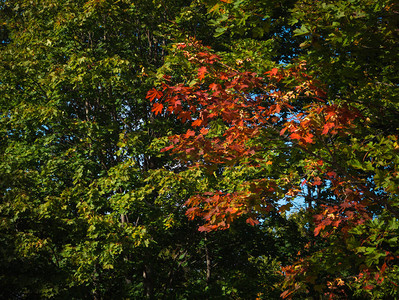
(89, 206)
(322, 128)
(76, 219)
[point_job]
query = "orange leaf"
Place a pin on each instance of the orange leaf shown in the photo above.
(204, 131)
(318, 229)
(252, 221)
(295, 136)
(327, 127)
(331, 174)
(278, 109)
(384, 266)
(157, 108)
(167, 148)
(154, 94)
(285, 294)
(197, 123)
(272, 72)
(201, 72)
(317, 181)
(308, 138)
(189, 133)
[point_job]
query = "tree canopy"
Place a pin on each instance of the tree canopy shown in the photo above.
(218, 149)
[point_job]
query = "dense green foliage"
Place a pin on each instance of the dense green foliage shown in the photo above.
(92, 207)
(89, 207)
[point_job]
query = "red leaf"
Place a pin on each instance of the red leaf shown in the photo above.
(252, 221)
(167, 148)
(327, 127)
(286, 293)
(272, 72)
(331, 174)
(318, 229)
(189, 133)
(197, 123)
(308, 138)
(283, 130)
(189, 150)
(203, 228)
(201, 72)
(317, 182)
(204, 131)
(154, 94)
(213, 86)
(384, 266)
(157, 108)
(278, 109)
(295, 136)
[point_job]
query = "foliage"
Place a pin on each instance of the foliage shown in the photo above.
(89, 206)
(322, 128)
(126, 126)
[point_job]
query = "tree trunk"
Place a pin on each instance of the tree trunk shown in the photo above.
(148, 287)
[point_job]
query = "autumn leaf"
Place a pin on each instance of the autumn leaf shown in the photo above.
(327, 127)
(331, 174)
(201, 72)
(318, 229)
(189, 133)
(295, 136)
(309, 138)
(154, 94)
(272, 72)
(204, 131)
(252, 222)
(167, 148)
(197, 123)
(157, 108)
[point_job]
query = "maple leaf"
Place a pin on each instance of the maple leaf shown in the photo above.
(189, 133)
(252, 221)
(317, 181)
(331, 174)
(295, 136)
(272, 72)
(204, 131)
(201, 72)
(204, 229)
(327, 127)
(283, 130)
(167, 148)
(214, 86)
(154, 94)
(278, 109)
(318, 229)
(197, 123)
(157, 108)
(309, 138)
